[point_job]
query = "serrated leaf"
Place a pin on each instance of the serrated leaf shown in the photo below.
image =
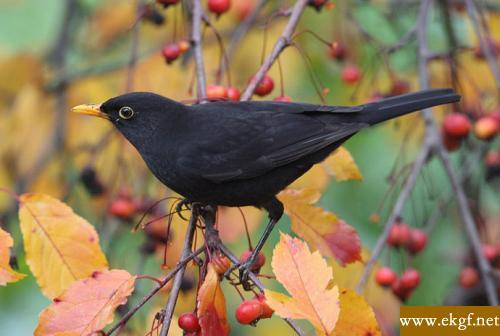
(321, 228)
(87, 306)
(341, 165)
(7, 274)
(307, 278)
(356, 316)
(61, 247)
(212, 306)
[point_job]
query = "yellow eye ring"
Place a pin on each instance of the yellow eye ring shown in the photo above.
(126, 112)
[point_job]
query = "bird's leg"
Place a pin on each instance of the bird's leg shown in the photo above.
(275, 210)
(211, 233)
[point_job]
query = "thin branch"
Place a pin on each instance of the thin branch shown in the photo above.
(134, 48)
(240, 32)
(176, 286)
(395, 213)
(234, 259)
(484, 41)
(283, 41)
(180, 265)
(198, 50)
(432, 133)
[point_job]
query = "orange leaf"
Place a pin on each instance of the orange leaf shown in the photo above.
(7, 274)
(87, 306)
(212, 306)
(356, 316)
(307, 277)
(341, 165)
(61, 247)
(320, 228)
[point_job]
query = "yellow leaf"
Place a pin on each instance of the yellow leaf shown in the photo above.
(320, 228)
(212, 306)
(7, 274)
(307, 277)
(87, 306)
(61, 247)
(356, 316)
(341, 165)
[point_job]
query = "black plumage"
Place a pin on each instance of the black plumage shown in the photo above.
(244, 153)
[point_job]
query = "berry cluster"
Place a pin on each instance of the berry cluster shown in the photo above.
(457, 126)
(251, 311)
(469, 276)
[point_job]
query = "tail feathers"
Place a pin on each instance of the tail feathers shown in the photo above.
(393, 107)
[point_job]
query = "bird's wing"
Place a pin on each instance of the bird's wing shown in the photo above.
(245, 145)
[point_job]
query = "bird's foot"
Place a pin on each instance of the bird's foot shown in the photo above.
(244, 270)
(183, 203)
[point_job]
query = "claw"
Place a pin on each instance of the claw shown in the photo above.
(244, 276)
(180, 205)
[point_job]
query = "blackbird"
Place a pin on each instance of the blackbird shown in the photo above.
(244, 153)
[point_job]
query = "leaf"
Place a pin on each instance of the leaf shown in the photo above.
(212, 306)
(87, 306)
(341, 165)
(307, 277)
(61, 247)
(7, 274)
(356, 316)
(320, 228)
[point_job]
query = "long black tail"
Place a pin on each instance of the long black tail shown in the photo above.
(393, 107)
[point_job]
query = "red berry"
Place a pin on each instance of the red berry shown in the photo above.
(189, 322)
(249, 311)
(399, 235)
(267, 312)
(450, 143)
(243, 8)
(469, 277)
(400, 86)
(183, 46)
(351, 74)
(417, 242)
(317, 4)
(402, 293)
(456, 125)
(385, 276)
(261, 260)
(157, 231)
(221, 263)
(167, 2)
(233, 93)
(486, 128)
(285, 99)
(219, 6)
(492, 159)
(337, 51)
(123, 207)
(489, 252)
(171, 52)
(410, 278)
(216, 92)
(265, 86)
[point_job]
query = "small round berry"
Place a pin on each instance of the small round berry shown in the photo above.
(337, 51)
(317, 4)
(261, 260)
(189, 322)
(399, 234)
(417, 242)
(249, 311)
(351, 74)
(183, 46)
(267, 312)
(233, 93)
(221, 263)
(469, 277)
(219, 6)
(456, 125)
(123, 207)
(450, 143)
(489, 252)
(242, 8)
(171, 52)
(402, 293)
(399, 87)
(265, 86)
(157, 231)
(385, 276)
(410, 278)
(285, 99)
(216, 92)
(486, 128)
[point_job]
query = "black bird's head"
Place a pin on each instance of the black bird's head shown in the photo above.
(136, 115)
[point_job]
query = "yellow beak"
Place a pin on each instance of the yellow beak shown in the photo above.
(91, 110)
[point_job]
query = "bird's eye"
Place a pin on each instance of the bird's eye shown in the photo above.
(126, 112)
